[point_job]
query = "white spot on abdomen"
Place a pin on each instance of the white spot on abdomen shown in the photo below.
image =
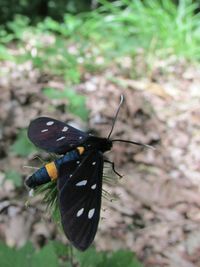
(31, 193)
(78, 162)
(49, 123)
(94, 186)
(61, 138)
(80, 212)
(93, 163)
(80, 137)
(45, 130)
(65, 129)
(91, 213)
(82, 183)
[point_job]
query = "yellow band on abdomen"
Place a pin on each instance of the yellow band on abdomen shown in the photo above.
(80, 149)
(52, 170)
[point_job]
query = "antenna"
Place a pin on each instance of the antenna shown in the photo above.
(134, 143)
(121, 101)
(121, 140)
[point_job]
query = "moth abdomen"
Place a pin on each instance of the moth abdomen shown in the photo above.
(40, 177)
(50, 172)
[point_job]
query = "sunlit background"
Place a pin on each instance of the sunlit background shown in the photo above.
(71, 60)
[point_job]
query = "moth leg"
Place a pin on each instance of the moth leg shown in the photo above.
(40, 159)
(113, 167)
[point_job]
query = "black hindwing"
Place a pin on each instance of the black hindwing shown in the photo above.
(80, 191)
(55, 136)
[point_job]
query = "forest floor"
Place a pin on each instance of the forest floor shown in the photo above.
(156, 212)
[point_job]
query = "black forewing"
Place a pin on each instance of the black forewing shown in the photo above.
(54, 136)
(80, 199)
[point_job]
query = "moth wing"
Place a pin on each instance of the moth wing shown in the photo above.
(80, 200)
(55, 136)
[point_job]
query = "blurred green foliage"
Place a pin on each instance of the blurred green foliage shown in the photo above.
(27, 256)
(76, 104)
(15, 177)
(22, 146)
(120, 258)
(56, 254)
(38, 9)
(91, 41)
(4, 53)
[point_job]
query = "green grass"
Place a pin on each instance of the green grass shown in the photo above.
(49, 194)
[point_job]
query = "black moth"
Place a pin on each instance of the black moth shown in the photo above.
(78, 173)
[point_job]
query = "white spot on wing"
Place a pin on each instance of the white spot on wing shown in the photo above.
(94, 186)
(80, 137)
(91, 213)
(78, 162)
(61, 138)
(81, 183)
(65, 129)
(70, 175)
(49, 123)
(45, 130)
(94, 162)
(80, 212)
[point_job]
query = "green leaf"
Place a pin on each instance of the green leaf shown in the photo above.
(22, 146)
(26, 256)
(122, 258)
(60, 249)
(15, 177)
(90, 258)
(18, 26)
(45, 257)
(10, 257)
(23, 255)
(4, 53)
(54, 254)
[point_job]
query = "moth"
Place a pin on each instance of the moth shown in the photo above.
(78, 173)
